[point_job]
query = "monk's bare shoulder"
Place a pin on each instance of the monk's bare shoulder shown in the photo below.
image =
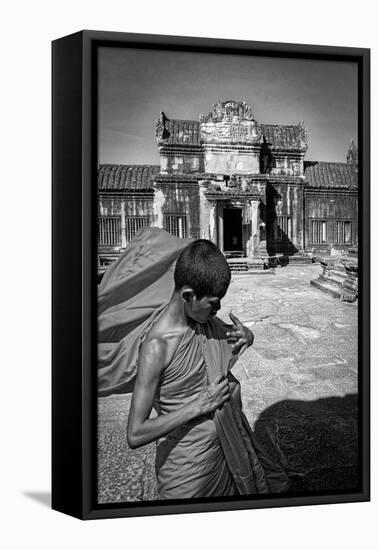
(160, 345)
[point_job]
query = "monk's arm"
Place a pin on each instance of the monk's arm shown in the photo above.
(141, 428)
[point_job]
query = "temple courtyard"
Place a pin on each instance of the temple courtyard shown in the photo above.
(299, 388)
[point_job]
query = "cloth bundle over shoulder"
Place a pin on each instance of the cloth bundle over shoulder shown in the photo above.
(132, 294)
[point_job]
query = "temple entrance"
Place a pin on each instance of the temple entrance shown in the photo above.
(233, 231)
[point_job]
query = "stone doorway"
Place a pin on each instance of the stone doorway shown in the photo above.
(232, 232)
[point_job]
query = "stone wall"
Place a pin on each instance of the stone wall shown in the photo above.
(124, 205)
(284, 214)
(181, 161)
(287, 165)
(231, 161)
(330, 205)
(178, 198)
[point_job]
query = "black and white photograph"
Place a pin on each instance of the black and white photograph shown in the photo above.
(227, 276)
(188, 245)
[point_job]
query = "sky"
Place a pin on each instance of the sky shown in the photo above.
(135, 85)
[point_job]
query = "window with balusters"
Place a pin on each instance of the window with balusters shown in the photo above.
(134, 224)
(176, 224)
(318, 232)
(342, 232)
(283, 228)
(109, 230)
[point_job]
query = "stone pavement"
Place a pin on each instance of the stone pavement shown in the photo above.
(299, 388)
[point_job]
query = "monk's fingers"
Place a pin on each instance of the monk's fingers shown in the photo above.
(224, 386)
(237, 346)
(218, 378)
(223, 398)
(236, 342)
(235, 319)
(236, 333)
(226, 389)
(219, 386)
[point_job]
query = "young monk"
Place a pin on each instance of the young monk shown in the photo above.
(183, 373)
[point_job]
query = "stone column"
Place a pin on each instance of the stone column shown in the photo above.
(220, 220)
(213, 221)
(123, 226)
(254, 247)
(207, 214)
(159, 200)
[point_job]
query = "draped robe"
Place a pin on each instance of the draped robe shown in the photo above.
(189, 460)
(216, 455)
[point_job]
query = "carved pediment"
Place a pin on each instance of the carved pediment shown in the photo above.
(237, 186)
(228, 111)
(229, 122)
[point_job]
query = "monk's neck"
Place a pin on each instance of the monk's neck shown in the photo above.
(175, 314)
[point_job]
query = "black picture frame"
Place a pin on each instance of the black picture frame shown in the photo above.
(74, 173)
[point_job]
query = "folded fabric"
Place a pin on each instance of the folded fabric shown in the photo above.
(131, 294)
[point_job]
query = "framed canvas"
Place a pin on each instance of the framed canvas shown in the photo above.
(210, 275)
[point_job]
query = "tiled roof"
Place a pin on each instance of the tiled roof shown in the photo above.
(331, 175)
(183, 132)
(120, 177)
(282, 136)
(139, 177)
(187, 132)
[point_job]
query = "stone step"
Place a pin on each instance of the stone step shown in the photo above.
(349, 296)
(254, 272)
(327, 288)
(333, 279)
(352, 281)
(237, 264)
(300, 260)
(337, 270)
(236, 267)
(352, 288)
(256, 264)
(339, 278)
(236, 260)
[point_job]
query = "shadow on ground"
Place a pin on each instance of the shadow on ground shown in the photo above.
(316, 441)
(42, 497)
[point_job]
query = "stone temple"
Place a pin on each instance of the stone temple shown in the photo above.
(243, 184)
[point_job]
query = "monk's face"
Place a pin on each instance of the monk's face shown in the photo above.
(201, 310)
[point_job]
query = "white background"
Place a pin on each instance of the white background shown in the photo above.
(27, 29)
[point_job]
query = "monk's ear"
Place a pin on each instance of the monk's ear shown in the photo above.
(187, 294)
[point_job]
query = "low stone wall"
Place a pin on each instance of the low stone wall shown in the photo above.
(295, 259)
(339, 277)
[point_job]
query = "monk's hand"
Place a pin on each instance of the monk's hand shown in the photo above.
(214, 395)
(240, 337)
